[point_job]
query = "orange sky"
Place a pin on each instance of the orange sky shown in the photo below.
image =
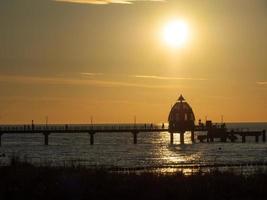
(73, 60)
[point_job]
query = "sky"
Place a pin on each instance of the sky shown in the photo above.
(73, 60)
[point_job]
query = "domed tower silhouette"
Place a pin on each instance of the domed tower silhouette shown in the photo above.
(181, 119)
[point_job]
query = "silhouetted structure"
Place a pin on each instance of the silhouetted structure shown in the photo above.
(181, 119)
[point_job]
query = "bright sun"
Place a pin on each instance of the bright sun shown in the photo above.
(176, 33)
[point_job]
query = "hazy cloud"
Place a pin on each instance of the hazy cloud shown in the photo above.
(72, 81)
(168, 78)
(103, 1)
(91, 74)
(262, 83)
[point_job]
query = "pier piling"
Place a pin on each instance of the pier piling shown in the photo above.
(224, 138)
(256, 138)
(182, 138)
(46, 138)
(171, 138)
(134, 137)
(92, 139)
(243, 138)
(1, 139)
(211, 138)
(192, 136)
(264, 135)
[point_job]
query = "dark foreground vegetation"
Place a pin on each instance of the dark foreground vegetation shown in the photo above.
(25, 181)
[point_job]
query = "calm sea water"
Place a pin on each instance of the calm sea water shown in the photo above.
(117, 149)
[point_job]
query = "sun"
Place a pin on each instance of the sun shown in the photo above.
(176, 33)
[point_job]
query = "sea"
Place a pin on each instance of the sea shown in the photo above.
(116, 151)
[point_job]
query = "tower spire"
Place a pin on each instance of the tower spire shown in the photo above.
(181, 98)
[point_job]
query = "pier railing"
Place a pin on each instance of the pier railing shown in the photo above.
(77, 128)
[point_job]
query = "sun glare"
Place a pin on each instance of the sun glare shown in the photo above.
(175, 33)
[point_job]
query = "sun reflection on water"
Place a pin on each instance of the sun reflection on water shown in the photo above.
(178, 157)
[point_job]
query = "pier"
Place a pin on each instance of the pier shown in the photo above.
(181, 120)
(204, 133)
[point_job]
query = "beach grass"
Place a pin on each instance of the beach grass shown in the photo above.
(22, 180)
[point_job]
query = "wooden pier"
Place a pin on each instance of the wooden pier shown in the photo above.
(205, 132)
